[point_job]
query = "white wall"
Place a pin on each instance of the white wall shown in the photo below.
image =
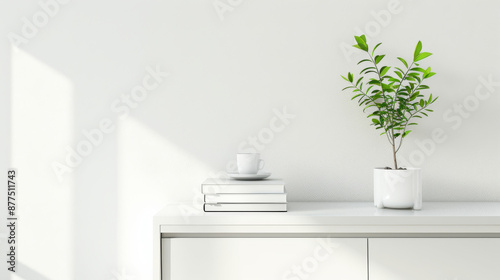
(229, 73)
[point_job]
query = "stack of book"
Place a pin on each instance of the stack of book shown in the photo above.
(227, 195)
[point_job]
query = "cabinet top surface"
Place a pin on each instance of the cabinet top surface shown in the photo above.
(338, 212)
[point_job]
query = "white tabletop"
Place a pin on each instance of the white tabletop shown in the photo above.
(337, 217)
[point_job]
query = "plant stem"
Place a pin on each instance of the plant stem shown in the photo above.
(394, 154)
(400, 84)
(406, 125)
(385, 100)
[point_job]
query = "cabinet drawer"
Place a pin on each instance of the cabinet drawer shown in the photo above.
(264, 258)
(434, 258)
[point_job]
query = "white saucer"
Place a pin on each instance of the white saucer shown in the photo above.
(249, 177)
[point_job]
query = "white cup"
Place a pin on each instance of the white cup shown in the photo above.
(249, 163)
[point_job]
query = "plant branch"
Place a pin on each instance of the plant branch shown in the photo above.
(378, 106)
(366, 95)
(401, 83)
(391, 136)
(406, 124)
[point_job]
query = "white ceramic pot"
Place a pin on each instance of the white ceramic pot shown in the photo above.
(398, 188)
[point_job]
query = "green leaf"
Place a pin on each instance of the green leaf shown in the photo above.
(394, 80)
(422, 56)
(379, 58)
(406, 133)
(371, 105)
(357, 95)
(418, 48)
(429, 75)
(361, 40)
(419, 69)
(422, 103)
(344, 78)
(356, 46)
(404, 62)
(373, 51)
(399, 69)
(366, 69)
(364, 60)
(427, 71)
(347, 87)
(387, 88)
(375, 121)
(384, 70)
(359, 80)
(351, 77)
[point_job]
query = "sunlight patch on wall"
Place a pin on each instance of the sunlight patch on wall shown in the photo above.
(151, 173)
(14, 276)
(42, 125)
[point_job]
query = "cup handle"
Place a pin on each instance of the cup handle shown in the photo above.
(261, 164)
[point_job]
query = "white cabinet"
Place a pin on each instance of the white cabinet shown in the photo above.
(434, 258)
(265, 258)
(443, 241)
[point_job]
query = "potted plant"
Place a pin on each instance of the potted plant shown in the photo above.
(394, 99)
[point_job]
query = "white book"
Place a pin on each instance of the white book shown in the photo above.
(246, 198)
(245, 207)
(217, 186)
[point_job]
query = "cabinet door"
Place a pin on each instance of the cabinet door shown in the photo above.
(264, 258)
(434, 258)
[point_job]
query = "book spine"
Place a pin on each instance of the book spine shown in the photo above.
(248, 189)
(245, 198)
(227, 207)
